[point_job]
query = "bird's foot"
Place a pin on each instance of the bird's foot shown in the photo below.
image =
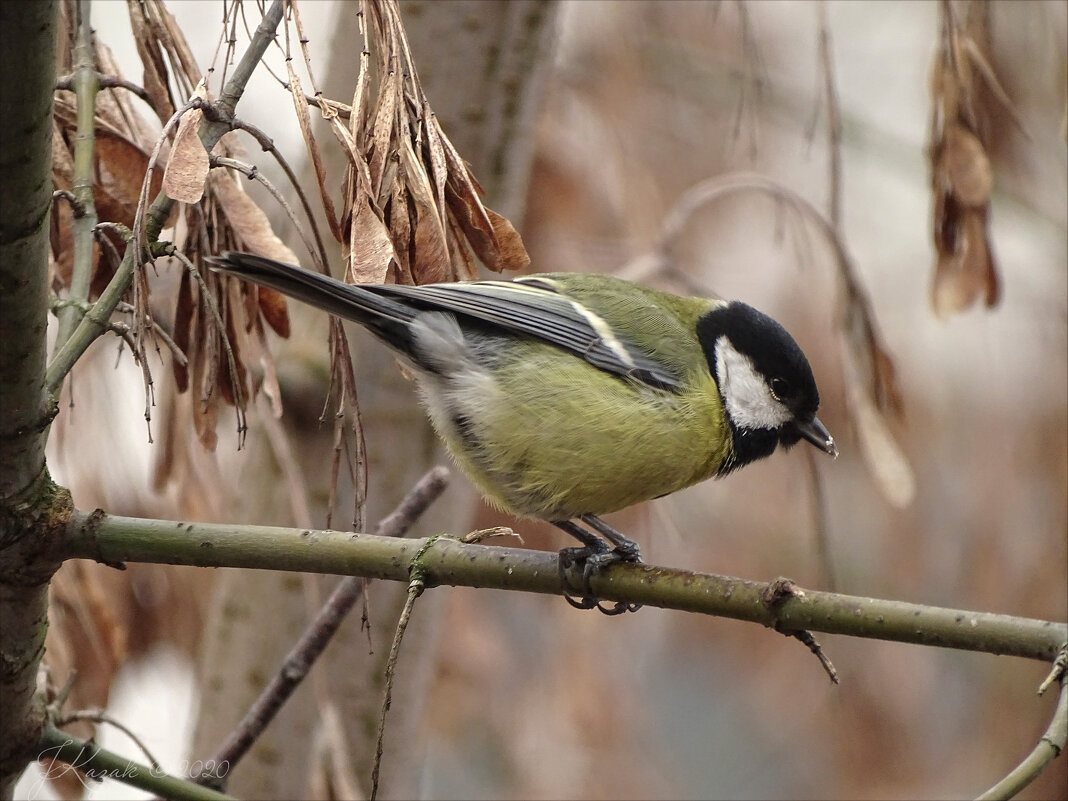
(594, 556)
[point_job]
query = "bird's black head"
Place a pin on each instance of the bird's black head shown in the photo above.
(765, 382)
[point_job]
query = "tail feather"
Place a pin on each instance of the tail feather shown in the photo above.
(386, 318)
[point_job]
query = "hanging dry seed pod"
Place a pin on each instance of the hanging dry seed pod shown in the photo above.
(413, 211)
(961, 176)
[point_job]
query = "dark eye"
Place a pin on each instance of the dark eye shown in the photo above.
(780, 388)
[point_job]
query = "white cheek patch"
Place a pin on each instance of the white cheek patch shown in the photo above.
(745, 391)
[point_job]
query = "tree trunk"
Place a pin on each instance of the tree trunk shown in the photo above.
(27, 75)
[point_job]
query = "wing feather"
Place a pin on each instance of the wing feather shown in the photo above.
(539, 311)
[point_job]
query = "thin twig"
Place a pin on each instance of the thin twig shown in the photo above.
(155, 215)
(86, 87)
(172, 346)
(268, 146)
(57, 746)
(292, 473)
(834, 213)
(412, 505)
(100, 716)
(1057, 671)
(67, 83)
(342, 110)
(1049, 747)
(774, 595)
(95, 322)
(231, 362)
(415, 589)
(834, 121)
(806, 639)
(122, 329)
(319, 632)
(67, 195)
(752, 82)
(253, 174)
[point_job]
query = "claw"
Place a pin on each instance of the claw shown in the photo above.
(583, 603)
(595, 555)
(618, 608)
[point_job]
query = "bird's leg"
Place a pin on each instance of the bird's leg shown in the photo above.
(595, 555)
(626, 550)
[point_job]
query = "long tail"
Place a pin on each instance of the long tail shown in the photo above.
(384, 317)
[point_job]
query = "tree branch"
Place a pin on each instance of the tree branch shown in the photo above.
(86, 85)
(96, 763)
(211, 132)
(113, 540)
(1049, 747)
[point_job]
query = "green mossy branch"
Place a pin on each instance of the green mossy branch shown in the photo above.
(114, 540)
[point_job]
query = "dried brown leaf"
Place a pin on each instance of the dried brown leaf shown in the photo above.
(430, 253)
(462, 188)
(118, 108)
(406, 180)
(370, 246)
(187, 167)
(120, 166)
(246, 219)
(437, 159)
(173, 37)
(471, 217)
(464, 267)
(123, 164)
(300, 104)
(100, 618)
(62, 160)
(234, 387)
(269, 384)
(872, 393)
(206, 400)
(966, 273)
(85, 596)
(184, 320)
(400, 231)
(966, 167)
(382, 138)
(887, 392)
(155, 67)
(273, 307)
(961, 175)
(511, 253)
(86, 637)
(492, 237)
(62, 215)
(986, 71)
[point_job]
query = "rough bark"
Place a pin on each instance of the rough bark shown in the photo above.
(27, 75)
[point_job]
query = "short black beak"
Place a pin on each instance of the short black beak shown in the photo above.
(814, 432)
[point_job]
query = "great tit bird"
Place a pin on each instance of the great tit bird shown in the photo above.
(565, 396)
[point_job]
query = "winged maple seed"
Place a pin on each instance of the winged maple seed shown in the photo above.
(412, 209)
(413, 212)
(962, 86)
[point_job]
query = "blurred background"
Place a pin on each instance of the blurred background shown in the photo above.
(517, 696)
